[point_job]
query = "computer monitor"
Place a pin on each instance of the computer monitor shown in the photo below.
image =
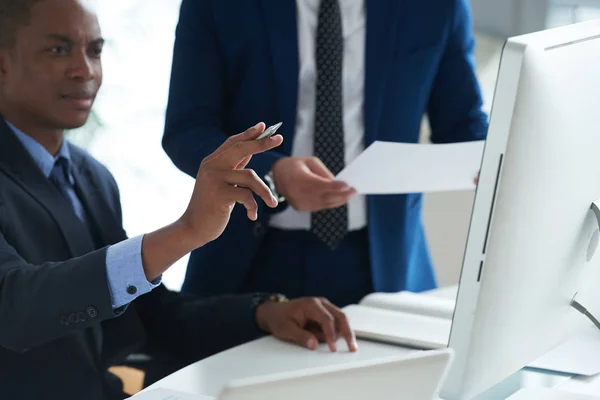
(532, 243)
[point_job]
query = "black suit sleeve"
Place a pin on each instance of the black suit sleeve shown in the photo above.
(39, 303)
(192, 328)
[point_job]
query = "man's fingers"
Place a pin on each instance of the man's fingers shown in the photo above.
(240, 150)
(319, 314)
(244, 163)
(249, 134)
(317, 167)
(244, 197)
(319, 185)
(301, 337)
(247, 178)
(334, 200)
(342, 325)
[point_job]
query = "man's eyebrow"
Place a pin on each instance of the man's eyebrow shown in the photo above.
(61, 38)
(68, 40)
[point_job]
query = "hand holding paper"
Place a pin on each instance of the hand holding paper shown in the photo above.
(395, 168)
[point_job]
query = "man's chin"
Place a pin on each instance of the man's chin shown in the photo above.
(75, 121)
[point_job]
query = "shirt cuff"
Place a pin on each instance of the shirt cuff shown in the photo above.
(125, 272)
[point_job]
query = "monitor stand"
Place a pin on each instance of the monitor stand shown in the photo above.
(592, 247)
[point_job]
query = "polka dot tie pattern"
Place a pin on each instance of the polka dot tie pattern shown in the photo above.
(330, 226)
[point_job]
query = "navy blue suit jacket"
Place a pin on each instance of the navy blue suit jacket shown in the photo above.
(236, 62)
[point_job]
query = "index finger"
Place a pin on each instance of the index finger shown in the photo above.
(240, 150)
(249, 134)
(342, 324)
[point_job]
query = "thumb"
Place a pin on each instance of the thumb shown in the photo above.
(317, 167)
(302, 337)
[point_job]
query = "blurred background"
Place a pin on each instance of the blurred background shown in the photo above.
(127, 127)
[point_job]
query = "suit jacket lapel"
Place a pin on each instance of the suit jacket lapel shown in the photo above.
(19, 166)
(281, 27)
(381, 37)
(95, 203)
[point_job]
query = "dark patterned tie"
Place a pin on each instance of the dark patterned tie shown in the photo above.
(59, 177)
(330, 226)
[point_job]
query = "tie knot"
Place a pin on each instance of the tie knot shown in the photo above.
(60, 171)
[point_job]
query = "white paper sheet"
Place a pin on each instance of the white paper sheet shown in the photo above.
(578, 356)
(166, 394)
(395, 168)
(412, 303)
(589, 385)
(548, 394)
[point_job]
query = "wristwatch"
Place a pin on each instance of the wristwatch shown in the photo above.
(260, 298)
(271, 183)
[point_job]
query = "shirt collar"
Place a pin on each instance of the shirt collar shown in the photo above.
(44, 160)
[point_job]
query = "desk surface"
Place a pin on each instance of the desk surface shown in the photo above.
(266, 356)
(269, 355)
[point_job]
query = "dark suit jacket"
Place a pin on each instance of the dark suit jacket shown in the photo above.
(236, 62)
(58, 331)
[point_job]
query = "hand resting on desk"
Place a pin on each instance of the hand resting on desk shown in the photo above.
(306, 321)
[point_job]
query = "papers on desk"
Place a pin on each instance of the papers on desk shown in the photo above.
(395, 168)
(585, 385)
(579, 355)
(412, 303)
(166, 394)
(548, 394)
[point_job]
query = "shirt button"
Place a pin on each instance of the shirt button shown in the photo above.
(131, 289)
(91, 312)
(258, 229)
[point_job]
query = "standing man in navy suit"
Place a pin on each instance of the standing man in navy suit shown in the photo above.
(339, 75)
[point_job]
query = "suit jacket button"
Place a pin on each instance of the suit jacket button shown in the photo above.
(73, 319)
(131, 289)
(91, 312)
(65, 320)
(81, 316)
(258, 229)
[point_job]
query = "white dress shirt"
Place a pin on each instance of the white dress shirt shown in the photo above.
(353, 83)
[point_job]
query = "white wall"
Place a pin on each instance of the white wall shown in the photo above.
(509, 17)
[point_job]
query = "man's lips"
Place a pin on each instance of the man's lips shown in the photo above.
(80, 100)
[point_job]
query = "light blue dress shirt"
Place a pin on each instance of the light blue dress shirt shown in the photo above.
(124, 260)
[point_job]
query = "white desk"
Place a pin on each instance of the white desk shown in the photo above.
(269, 355)
(265, 356)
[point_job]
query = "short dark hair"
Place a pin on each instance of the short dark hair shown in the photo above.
(14, 14)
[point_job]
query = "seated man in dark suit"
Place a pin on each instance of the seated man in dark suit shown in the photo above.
(77, 296)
